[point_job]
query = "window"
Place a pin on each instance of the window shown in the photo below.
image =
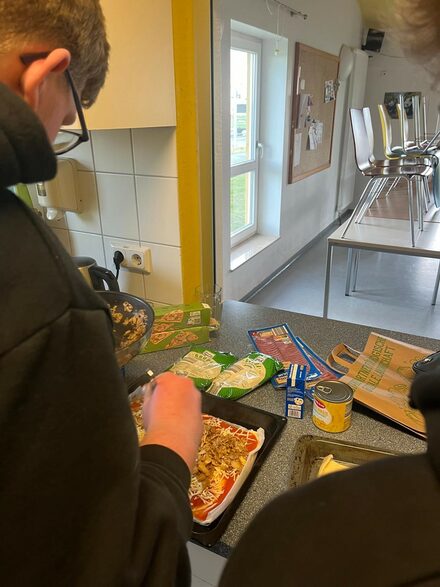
(244, 108)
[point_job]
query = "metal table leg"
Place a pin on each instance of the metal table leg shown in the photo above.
(437, 282)
(327, 278)
(349, 269)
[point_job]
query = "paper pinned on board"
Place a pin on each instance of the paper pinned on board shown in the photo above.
(304, 111)
(316, 130)
(312, 143)
(329, 91)
(319, 130)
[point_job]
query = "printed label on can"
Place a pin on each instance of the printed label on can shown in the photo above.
(331, 417)
(321, 413)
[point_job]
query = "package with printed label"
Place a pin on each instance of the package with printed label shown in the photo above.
(183, 316)
(202, 365)
(173, 339)
(245, 375)
(295, 391)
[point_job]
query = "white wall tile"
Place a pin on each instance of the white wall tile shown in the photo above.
(112, 150)
(63, 236)
(129, 281)
(87, 245)
(88, 220)
(111, 206)
(117, 202)
(165, 282)
(155, 151)
(83, 156)
(158, 210)
(132, 283)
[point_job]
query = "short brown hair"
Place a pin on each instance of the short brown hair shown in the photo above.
(418, 28)
(76, 25)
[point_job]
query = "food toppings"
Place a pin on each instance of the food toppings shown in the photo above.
(131, 324)
(136, 403)
(225, 458)
(226, 455)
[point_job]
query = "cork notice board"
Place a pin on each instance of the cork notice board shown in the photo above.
(313, 111)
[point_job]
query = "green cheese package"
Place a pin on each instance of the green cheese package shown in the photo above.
(202, 365)
(245, 375)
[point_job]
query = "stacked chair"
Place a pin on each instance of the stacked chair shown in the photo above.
(380, 172)
(415, 161)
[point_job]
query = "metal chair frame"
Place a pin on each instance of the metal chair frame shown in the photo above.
(380, 175)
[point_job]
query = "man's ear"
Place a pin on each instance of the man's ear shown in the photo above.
(35, 75)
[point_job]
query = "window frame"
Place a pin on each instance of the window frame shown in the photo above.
(249, 44)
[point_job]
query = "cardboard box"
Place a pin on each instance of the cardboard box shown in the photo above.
(172, 339)
(182, 316)
(295, 391)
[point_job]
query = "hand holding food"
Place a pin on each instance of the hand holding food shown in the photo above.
(172, 416)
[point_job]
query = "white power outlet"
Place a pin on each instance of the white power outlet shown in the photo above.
(135, 257)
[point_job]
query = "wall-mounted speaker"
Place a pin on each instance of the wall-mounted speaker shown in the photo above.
(373, 41)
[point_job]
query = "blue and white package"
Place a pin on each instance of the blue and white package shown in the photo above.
(295, 391)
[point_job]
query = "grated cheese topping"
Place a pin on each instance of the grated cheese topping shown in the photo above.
(222, 455)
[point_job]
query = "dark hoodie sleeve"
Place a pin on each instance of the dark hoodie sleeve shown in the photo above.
(163, 522)
(20, 128)
(377, 524)
(425, 396)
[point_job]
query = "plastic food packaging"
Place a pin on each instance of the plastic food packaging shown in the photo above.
(202, 365)
(245, 375)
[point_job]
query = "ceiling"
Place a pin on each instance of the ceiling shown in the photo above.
(376, 13)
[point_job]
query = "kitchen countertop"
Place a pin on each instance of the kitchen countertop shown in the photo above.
(321, 335)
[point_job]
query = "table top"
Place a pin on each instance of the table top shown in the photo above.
(322, 335)
(389, 235)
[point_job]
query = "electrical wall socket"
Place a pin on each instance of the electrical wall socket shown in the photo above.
(135, 257)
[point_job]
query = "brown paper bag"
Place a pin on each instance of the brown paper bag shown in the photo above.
(381, 377)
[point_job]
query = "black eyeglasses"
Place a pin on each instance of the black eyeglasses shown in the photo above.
(66, 140)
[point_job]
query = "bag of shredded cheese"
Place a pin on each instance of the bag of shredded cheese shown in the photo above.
(202, 365)
(245, 375)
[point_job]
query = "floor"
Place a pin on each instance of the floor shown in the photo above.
(393, 291)
(206, 566)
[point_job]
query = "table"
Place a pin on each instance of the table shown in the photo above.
(383, 235)
(322, 335)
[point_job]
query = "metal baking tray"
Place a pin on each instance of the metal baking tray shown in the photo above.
(311, 450)
(250, 417)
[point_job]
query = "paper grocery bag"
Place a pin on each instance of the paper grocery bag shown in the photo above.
(381, 376)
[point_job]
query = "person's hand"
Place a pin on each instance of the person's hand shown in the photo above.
(172, 416)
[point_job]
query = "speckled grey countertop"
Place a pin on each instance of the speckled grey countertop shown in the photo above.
(322, 335)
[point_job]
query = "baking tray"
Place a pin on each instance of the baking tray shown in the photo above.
(249, 417)
(311, 450)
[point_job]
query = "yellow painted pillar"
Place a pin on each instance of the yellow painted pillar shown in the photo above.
(192, 63)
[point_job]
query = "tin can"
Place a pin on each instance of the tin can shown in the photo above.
(332, 405)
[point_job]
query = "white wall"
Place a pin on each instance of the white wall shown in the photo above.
(128, 184)
(307, 206)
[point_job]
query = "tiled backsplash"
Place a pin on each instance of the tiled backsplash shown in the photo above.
(128, 184)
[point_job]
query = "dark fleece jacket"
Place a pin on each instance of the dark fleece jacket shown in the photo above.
(372, 526)
(80, 504)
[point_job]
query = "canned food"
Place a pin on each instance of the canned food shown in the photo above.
(332, 404)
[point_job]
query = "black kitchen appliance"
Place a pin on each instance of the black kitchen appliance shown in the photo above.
(97, 277)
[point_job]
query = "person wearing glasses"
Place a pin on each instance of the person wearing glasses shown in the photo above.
(80, 503)
(377, 525)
